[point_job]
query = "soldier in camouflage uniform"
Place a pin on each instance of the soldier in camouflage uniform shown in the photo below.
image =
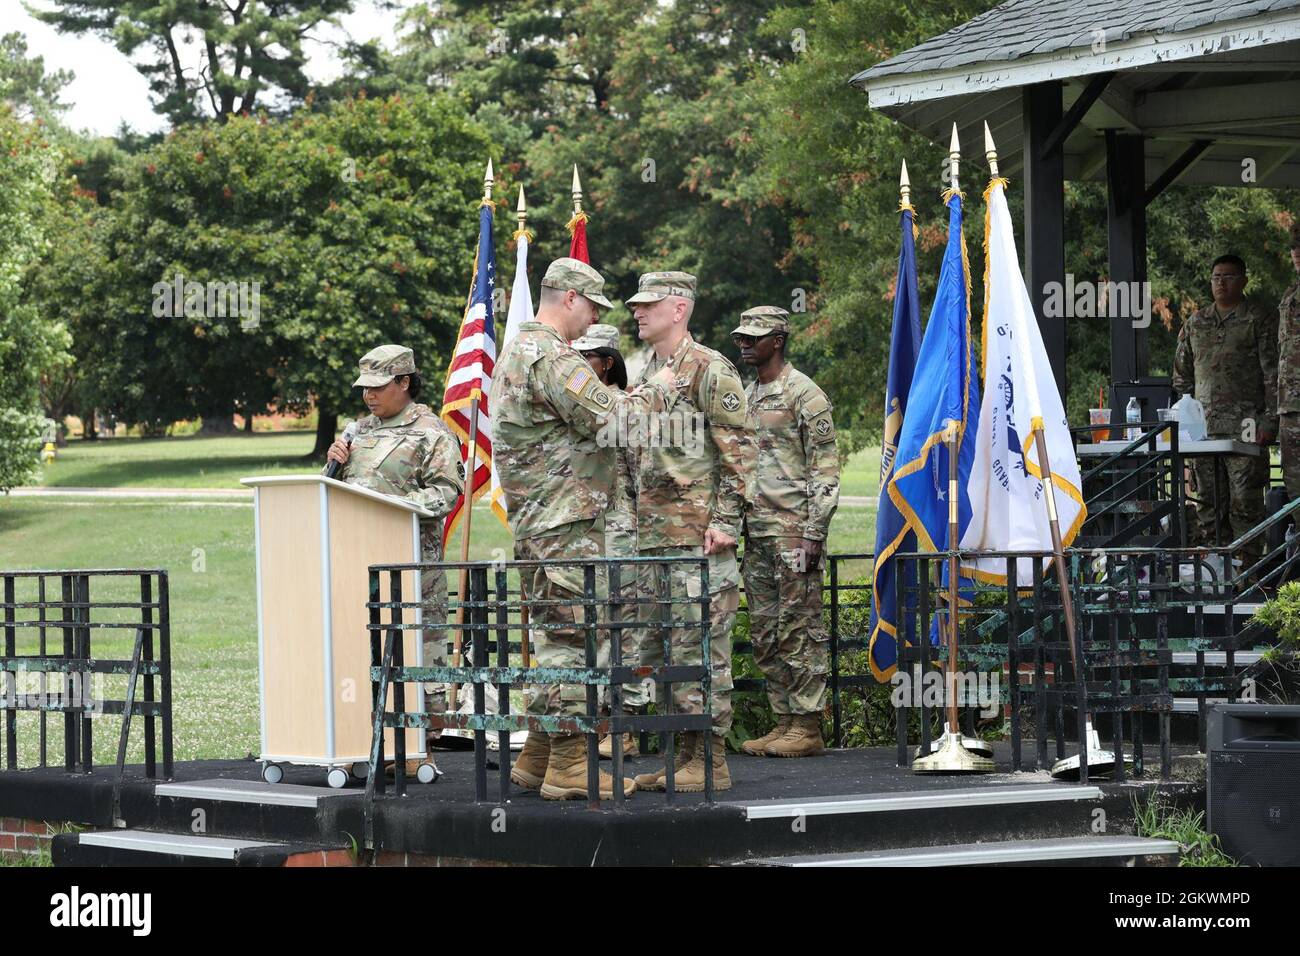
(1227, 357)
(796, 487)
(690, 502)
(549, 408)
(402, 448)
(599, 346)
(1288, 379)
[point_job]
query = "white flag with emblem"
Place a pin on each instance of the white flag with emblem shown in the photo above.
(1009, 510)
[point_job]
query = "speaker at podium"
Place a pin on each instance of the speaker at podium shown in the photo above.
(316, 538)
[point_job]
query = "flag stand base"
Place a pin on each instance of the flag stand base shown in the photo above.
(1099, 761)
(952, 757)
(976, 746)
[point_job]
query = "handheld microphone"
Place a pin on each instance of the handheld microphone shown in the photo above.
(349, 433)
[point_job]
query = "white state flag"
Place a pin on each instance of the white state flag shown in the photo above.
(1008, 508)
(521, 310)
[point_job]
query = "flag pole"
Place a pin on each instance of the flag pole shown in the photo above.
(525, 649)
(952, 755)
(470, 464)
(1090, 752)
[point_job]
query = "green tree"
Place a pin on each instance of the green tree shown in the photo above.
(351, 228)
(248, 48)
(24, 83)
(29, 341)
(650, 101)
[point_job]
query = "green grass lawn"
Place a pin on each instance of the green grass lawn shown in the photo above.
(207, 550)
(178, 462)
(221, 462)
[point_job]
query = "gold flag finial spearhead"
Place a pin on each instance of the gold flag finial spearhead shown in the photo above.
(521, 208)
(990, 151)
(487, 181)
(577, 191)
(954, 156)
(904, 187)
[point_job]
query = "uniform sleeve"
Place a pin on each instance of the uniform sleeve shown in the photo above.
(1184, 368)
(723, 400)
(822, 463)
(442, 475)
(1267, 338)
(569, 386)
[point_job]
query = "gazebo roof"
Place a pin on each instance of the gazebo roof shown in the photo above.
(1209, 85)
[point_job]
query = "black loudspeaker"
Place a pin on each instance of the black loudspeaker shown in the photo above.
(1253, 782)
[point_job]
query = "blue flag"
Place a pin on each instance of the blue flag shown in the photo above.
(945, 389)
(892, 532)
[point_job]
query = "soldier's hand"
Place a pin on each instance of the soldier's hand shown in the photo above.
(717, 541)
(812, 552)
(339, 451)
(1265, 437)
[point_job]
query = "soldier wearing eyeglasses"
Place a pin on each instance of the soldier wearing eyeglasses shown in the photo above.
(1227, 357)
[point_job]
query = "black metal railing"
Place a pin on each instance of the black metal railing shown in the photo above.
(40, 607)
(493, 612)
(1134, 492)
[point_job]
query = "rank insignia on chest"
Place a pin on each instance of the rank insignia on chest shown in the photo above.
(681, 383)
(578, 381)
(731, 401)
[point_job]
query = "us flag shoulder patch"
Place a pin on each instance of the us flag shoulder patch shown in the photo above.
(578, 381)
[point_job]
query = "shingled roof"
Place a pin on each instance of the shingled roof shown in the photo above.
(1021, 28)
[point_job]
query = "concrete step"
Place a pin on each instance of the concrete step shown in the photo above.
(151, 848)
(910, 802)
(1094, 850)
(953, 811)
(251, 791)
(249, 809)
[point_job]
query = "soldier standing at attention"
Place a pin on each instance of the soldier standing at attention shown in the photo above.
(690, 502)
(600, 348)
(1227, 357)
(796, 487)
(1288, 379)
(548, 407)
(402, 448)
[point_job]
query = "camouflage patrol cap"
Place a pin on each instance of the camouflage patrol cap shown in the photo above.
(763, 320)
(566, 273)
(380, 366)
(1295, 234)
(659, 285)
(598, 337)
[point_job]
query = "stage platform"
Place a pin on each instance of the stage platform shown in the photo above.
(849, 807)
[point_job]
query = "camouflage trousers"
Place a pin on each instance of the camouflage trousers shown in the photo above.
(629, 637)
(1240, 482)
(683, 581)
(785, 625)
(1288, 434)
(566, 644)
(433, 610)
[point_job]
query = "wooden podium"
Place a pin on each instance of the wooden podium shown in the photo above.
(316, 539)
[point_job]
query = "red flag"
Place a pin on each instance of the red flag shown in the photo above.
(577, 227)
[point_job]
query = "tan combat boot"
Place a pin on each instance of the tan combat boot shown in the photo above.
(803, 739)
(755, 747)
(656, 781)
(566, 772)
(629, 746)
(690, 779)
(530, 765)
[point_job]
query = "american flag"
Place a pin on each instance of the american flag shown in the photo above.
(469, 376)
